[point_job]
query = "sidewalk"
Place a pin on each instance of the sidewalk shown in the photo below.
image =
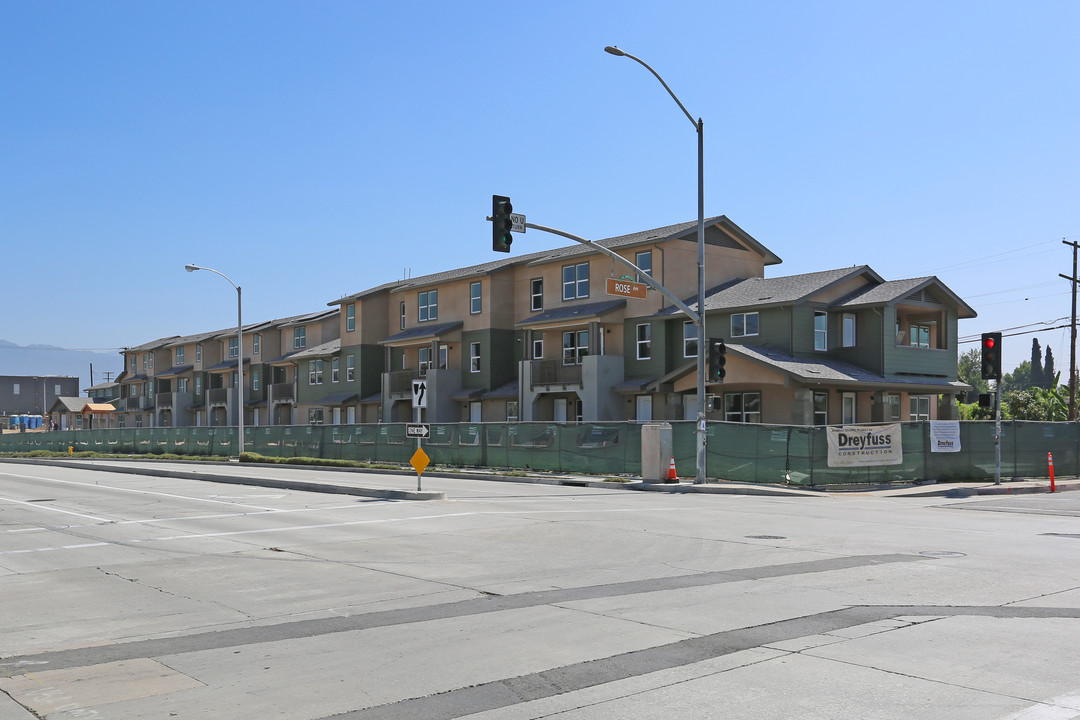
(349, 481)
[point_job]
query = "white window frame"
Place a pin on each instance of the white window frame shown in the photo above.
(892, 407)
(644, 341)
(476, 298)
(402, 315)
(335, 372)
(690, 338)
(538, 349)
(915, 403)
(423, 360)
(741, 324)
(256, 343)
(575, 279)
(850, 408)
(444, 357)
(643, 259)
(917, 332)
(350, 317)
(234, 345)
(511, 410)
(847, 334)
(350, 368)
(821, 334)
(474, 357)
(315, 372)
(315, 416)
(299, 338)
(180, 356)
(575, 346)
(254, 379)
(536, 294)
(427, 305)
(198, 353)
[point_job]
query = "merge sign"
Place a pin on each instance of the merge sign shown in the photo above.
(626, 288)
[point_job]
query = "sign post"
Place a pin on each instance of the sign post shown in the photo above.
(419, 430)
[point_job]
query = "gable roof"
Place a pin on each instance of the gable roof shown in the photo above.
(573, 311)
(894, 291)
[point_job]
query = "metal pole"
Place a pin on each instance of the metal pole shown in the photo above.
(997, 433)
(239, 373)
(699, 319)
(1072, 344)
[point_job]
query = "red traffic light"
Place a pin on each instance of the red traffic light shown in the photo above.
(989, 343)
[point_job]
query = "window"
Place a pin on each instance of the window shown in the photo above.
(133, 390)
(474, 357)
(536, 290)
(350, 368)
(256, 343)
(575, 346)
(350, 317)
(315, 416)
(689, 342)
(182, 385)
(233, 346)
(402, 315)
(299, 338)
(444, 357)
(848, 331)
(423, 360)
(151, 361)
(198, 384)
(511, 411)
(821, 330)
(314, 372)
(56, 389)
(644, 341)
(133, 363)
(335, 369)
(254, 379)
(575, 281)
(144, 361)
(849, 408)
(920, 407)
(538, 349)
(892, 407)
(198, 353)
(920, 336)
(643, 260)
(179, 356)
(429, 305)
(743, 324)
(475, 300)
(821, 408)
(742, 407)
(15, 389)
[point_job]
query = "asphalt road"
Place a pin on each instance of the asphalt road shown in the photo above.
(127, 596)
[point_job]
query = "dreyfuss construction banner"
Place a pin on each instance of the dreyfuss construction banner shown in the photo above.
(863, 445)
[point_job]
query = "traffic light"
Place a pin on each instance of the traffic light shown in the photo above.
(717, 359)
(501, 223)
(991, 356)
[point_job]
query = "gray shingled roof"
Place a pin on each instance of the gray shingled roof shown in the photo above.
(896, 290)
(423, 331)
(830, 371)
(327, 348)
(573, 311)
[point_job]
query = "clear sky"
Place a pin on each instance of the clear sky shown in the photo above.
(309, 150)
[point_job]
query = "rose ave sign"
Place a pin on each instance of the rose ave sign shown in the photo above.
(626, 288)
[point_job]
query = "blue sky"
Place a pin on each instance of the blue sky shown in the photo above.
(311, 150)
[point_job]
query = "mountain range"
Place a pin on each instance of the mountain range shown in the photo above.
(51, 360)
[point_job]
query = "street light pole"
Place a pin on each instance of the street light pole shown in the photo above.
(239, 356)
(699, 318)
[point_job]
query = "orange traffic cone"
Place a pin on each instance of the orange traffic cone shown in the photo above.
(671, 476)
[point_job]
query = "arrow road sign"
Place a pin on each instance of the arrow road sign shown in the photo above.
(419, 393)
(418, 430)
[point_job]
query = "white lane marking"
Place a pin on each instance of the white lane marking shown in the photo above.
(39, 506)
(322, 526)
(90, 486)
(1062, 707)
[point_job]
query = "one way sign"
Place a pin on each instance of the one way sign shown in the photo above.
(419, 393)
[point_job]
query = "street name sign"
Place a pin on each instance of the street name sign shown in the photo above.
(626, 288)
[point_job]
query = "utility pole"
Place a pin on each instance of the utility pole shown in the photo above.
(1072, 344)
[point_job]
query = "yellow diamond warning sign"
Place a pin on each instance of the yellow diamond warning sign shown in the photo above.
(419, 461)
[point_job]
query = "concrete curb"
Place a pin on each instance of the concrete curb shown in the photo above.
(238, 480)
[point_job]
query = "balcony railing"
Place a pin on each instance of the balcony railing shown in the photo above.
(219, 396)
(133, 403)
(165, 401)
(553, 372)
(282, 392)
(401, 381)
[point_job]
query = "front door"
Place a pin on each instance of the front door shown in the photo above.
(474, 412)
(644, 408)
(559, 412)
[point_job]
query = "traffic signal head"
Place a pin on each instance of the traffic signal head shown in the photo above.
(717, 359)
(991, 356)
(501, 223)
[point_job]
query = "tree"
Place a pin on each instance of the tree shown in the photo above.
(1018, 379)
(969, 371)
(1036, 378)
(1049, 374)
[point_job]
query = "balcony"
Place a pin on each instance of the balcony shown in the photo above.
(282, 393)
(553, 372)
(401, 381)
(165, 401)
(219, 396)
(133, 403)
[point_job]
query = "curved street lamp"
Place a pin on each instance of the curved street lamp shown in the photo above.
(699, 319)
(239, 356)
